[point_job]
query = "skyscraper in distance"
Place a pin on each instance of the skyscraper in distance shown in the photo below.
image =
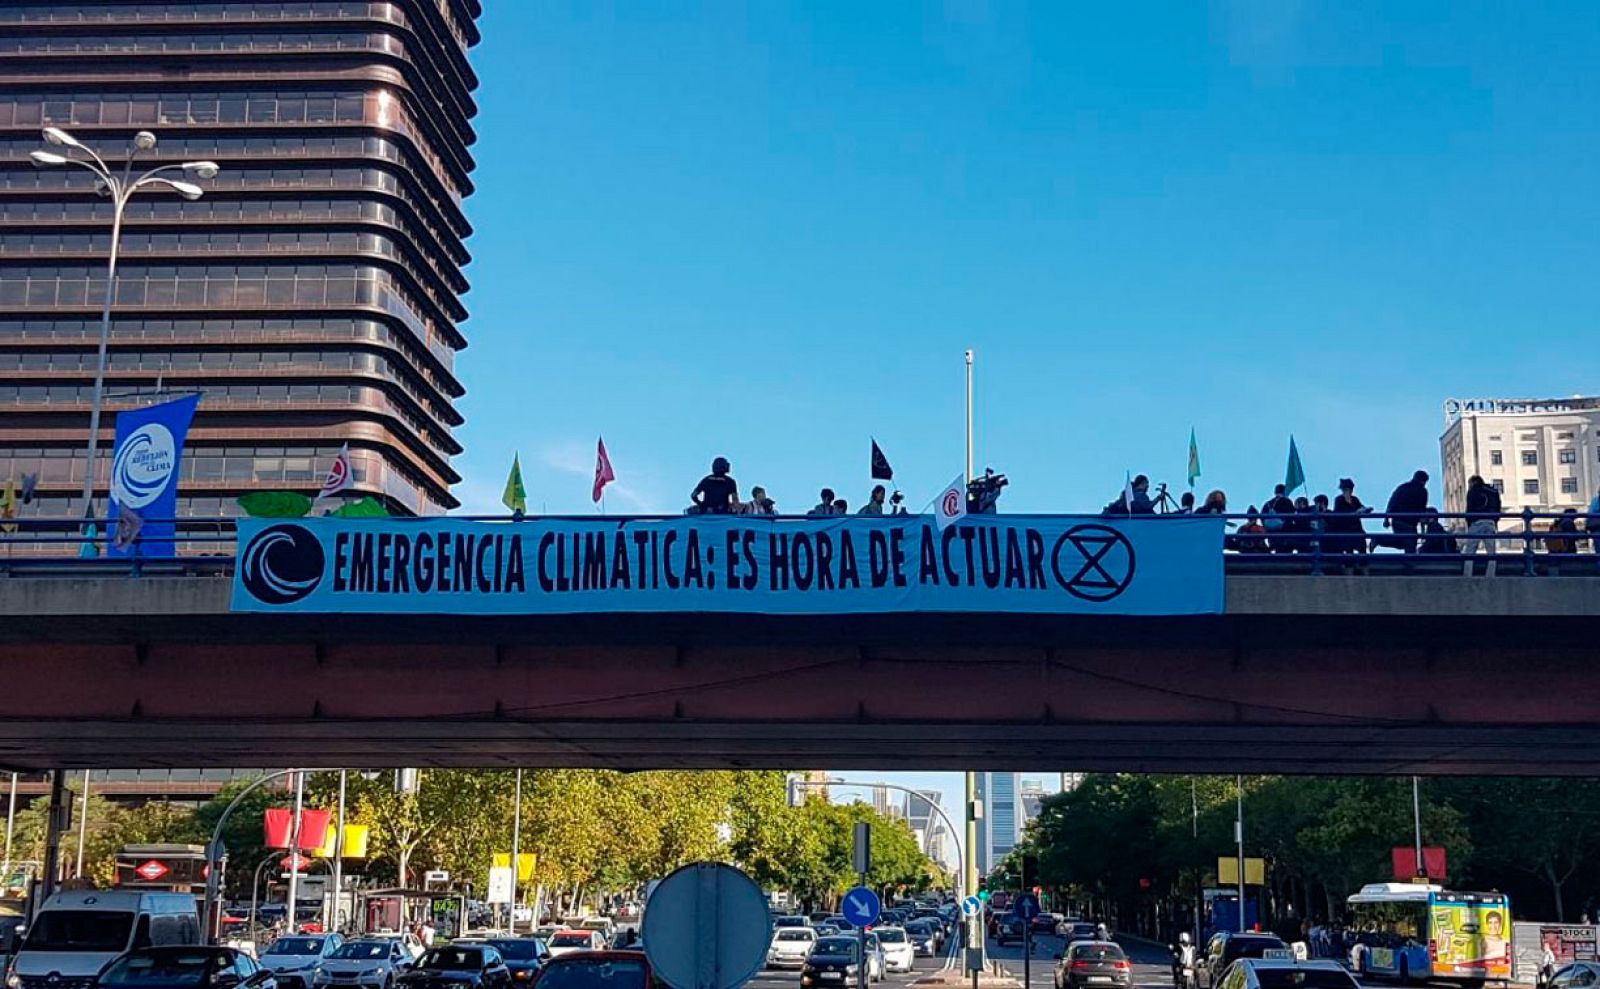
(312, 296)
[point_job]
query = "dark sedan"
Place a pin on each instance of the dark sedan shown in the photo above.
(596, 970)
(193, 967)
(833, 961)
(524, 956)
(458, 967)
(1010, 928)
(1093, 963)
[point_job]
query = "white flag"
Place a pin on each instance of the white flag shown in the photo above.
(129, 524)
(952, 504)
(1127, 492)
(339, 476)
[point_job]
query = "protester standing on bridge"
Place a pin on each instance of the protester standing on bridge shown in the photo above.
(1186, 503)
(875, 501)
(716, 493)
(1351, 535)
(1277, 513)
(1483, 521)
(759, 503)
(1216, 503)
(825, 506)
(1409, 498)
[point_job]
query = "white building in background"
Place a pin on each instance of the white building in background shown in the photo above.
(1001, 827)
(1543, 455)
(1031, 798)
(1071, 781)
(926, 823)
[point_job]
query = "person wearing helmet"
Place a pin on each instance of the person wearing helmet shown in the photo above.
(1183, 961)
(717, 493)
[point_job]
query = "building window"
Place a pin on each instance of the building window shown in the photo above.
(1563, 436)
(1530, 458)
(1530, 486)
(1496, 458)
(1499, 485)
(1567, 456)
(1569, 485)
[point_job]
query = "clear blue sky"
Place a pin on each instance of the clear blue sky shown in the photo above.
(769, 231)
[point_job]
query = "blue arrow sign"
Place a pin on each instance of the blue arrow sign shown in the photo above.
(972, 906)
(861, 907)
(1026, 906)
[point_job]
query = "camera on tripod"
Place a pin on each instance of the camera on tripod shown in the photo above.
(984, 492)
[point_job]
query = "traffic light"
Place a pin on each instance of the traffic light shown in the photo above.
(1030, 872)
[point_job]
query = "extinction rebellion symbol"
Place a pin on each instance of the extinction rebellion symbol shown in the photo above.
(1093, 562)
(282, 564)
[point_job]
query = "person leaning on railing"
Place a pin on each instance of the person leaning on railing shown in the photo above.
(1483, 521)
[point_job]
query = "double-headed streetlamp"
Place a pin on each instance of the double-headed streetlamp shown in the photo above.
(120, 188)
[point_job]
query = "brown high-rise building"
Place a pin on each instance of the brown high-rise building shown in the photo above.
(311, 296)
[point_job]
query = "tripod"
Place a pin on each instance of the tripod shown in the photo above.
(1162, 503)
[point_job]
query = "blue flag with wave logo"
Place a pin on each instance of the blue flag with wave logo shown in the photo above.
(144, 475)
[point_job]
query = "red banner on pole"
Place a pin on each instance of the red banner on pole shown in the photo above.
(1405, 863)
(279, 824)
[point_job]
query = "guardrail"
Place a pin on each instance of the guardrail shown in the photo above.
(1529, 544)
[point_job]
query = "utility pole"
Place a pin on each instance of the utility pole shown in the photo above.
(294, 851)
(60, 810)
(516, 853)
(1416, 816)
(83, 826)
(974, 811)
(338, 855)
(11, 826)
(1238, 832)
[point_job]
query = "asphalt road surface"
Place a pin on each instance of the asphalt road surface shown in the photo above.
(1152, 967)
(789, 978)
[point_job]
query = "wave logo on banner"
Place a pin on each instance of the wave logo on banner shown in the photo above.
(282, 564)
(144, 465)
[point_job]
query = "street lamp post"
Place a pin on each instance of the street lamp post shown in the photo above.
(120, 188)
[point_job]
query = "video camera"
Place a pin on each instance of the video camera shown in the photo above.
(984, 492)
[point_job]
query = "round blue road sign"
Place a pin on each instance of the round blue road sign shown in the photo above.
(1026, 906)
(861, 907)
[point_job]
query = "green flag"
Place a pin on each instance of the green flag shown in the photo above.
(516, 496)
(1294, 476)
(362, 508)
(1194, 458)
(275, 504)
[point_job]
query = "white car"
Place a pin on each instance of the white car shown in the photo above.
(408, 941)
(294, 959)
(899, 954)
(570, 940)
(790, 946)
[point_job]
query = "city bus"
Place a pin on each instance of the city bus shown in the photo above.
(1419, 933)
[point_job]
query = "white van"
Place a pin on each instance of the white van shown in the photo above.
(75, 934)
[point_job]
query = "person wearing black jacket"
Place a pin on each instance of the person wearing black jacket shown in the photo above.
(1278, 516)
(1410, 498)
(1347, 534)
(1483, 521)
(717, 493)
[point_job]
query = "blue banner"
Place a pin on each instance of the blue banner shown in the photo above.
(144, 474)
(729, 563)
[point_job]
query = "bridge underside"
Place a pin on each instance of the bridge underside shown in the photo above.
(1476, 691)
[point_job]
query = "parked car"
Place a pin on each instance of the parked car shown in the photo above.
(367, 963)
(834, 961)
(597, 970)
(295, 958)
(1225, 948)
(568, 941)
(790, 946)
(185, 967)
(899, 954)
(452, 967)
(1092, 963)
(1287, 973)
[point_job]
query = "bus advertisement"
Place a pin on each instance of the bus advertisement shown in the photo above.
(1412, 932)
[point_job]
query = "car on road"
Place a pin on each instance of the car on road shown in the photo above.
(926, 936)
(458, 967)
(597, 970)
(187, 967)
(790, 946)
(294, 959)
(840, 921)
(364, 964)
(1077, 930)
(409, 941)
(834, 961)
(1010, 928)
(1045, 923)
(1084, 964)
(567, 941)
(1227, 947)
(824, 930)
(793, 920)
(1575, 976)
(899, 954)
(877, 966)
(524, 956)
(1287, 973)
(546, 932)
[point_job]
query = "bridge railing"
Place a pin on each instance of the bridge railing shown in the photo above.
(1530, 544)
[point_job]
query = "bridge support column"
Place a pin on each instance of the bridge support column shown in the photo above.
(56, 821)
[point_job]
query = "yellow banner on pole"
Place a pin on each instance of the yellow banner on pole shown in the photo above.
(525, 864)
(355, 842)
(1255, 871)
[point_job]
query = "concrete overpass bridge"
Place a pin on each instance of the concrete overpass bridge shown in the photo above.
(1411, 673)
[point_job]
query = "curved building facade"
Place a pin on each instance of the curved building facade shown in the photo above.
(312, 296)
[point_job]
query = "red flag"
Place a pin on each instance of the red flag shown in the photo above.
(339, 475)
(603, 474)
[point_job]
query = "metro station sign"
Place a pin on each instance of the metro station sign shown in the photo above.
(152, 871)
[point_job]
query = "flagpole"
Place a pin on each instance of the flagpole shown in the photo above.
(969, 415)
